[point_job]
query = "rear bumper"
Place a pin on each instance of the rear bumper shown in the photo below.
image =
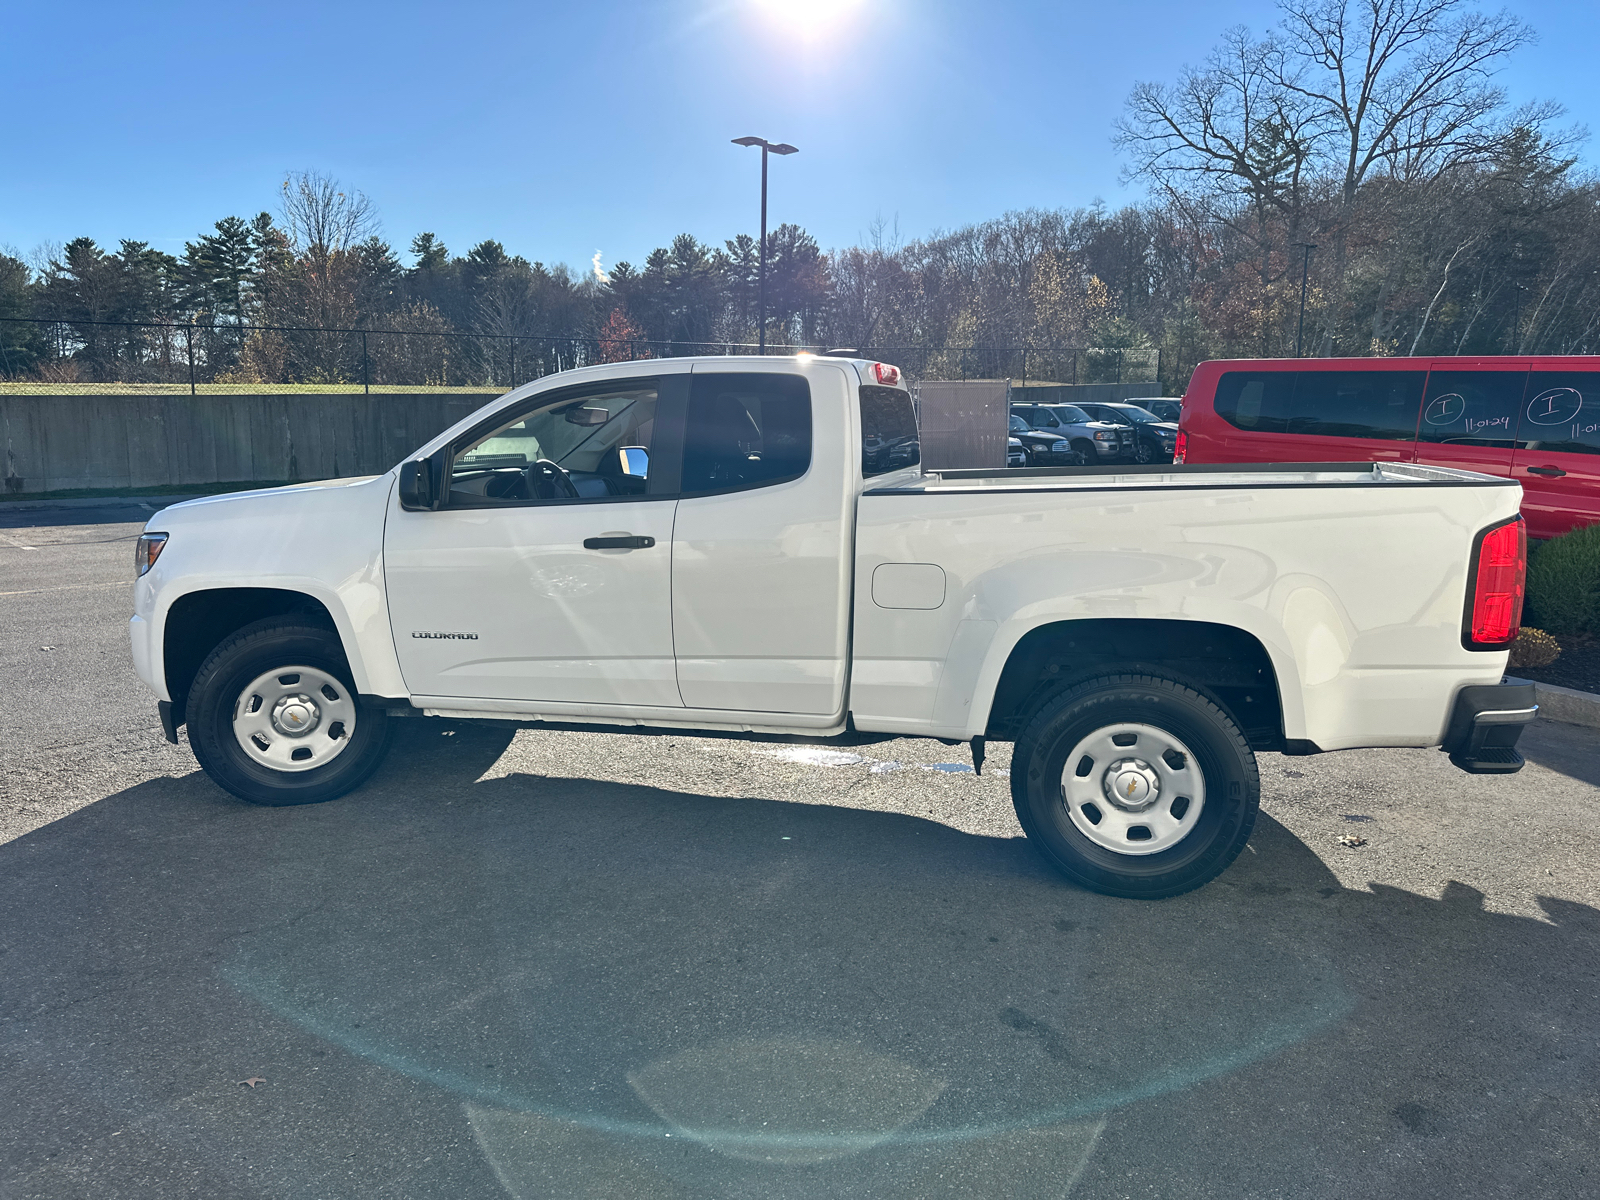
(1485, 724)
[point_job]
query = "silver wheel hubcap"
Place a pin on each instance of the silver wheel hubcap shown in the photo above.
(294, 718)
(1134, 789)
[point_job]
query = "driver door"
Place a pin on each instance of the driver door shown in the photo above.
(545, 575)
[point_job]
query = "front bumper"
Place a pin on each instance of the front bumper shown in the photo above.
(1485, 724)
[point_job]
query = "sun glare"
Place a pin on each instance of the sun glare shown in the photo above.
(807, 18)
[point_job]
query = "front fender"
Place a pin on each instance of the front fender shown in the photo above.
(321, 541)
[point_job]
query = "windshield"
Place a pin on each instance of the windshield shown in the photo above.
(1018, 425)
(1067, 414)
(1135, 414)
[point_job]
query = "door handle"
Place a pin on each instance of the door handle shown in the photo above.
(1547, 472)
(627, 541)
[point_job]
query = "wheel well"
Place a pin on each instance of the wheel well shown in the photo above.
(1228, 664)
(198, 623)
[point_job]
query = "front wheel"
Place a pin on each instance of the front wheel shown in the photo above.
(1134, 785)
(275, 719)
(1143, 452)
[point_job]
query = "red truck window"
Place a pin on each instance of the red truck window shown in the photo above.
(1357, 404)
(1472, 408)
(1361, 404)
(1562, 415)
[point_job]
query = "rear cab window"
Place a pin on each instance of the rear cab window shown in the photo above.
(745, 431)
(889, 438)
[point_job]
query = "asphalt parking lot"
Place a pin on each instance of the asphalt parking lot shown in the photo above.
(553, 964)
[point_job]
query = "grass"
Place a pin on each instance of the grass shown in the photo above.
(239, 389)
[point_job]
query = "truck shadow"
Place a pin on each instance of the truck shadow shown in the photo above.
(563, 987)
(1550, 744)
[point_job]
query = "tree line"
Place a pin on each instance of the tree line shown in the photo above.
(1350, 183)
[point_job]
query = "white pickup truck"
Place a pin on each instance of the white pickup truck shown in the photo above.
(750, 544)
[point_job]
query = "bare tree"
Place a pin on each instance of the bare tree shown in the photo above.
(1398, 86)
(323, 219)
(1226, 129)
(1353, 88)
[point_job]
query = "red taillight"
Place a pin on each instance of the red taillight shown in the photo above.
(1180, 446)
(1497, 580)
(885, 374)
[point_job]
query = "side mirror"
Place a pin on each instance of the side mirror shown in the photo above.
(416, 486)
(421, 483)
(635, 461)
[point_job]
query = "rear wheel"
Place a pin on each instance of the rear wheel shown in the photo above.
(1135, 786)
(275, 719)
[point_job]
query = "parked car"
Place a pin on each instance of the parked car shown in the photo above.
(1044, 449)
(1535, 420)
(1155, 440)
(1166, 410)
(712, 545)
(1016, 456)
(1095, 441)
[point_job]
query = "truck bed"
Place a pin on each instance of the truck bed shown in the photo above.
(1351, 577)
(1208, 476)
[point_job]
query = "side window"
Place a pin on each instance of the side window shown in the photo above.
(1562, 415)
(888, 430)
(1358, 404)
(745, 431)
(594, 446)
(1255, 401)
(1476, 408)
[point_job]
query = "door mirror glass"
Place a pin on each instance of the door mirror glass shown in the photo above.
(635, 462)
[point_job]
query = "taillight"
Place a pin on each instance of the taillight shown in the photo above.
(1180, 446)
(1495, 589)
(886, 375)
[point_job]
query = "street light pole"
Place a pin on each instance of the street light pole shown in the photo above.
(1305, 274)
(761, 275)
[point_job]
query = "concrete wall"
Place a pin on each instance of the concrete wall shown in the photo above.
(56, 443)
(1081, 393)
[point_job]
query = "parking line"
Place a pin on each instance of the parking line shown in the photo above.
(76, 587)
(10, 541)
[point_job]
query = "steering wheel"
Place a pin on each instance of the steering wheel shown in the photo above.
(546, 480)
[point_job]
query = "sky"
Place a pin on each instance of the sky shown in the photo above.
(604, 127)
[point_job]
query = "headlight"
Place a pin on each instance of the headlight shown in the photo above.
(1105, 435)
(146, 551)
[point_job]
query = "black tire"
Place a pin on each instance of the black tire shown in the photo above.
(1228, 766)
(1086, 452)
(256, 649)
(1143, 452)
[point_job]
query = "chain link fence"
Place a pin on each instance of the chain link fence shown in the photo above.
(83, 356)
